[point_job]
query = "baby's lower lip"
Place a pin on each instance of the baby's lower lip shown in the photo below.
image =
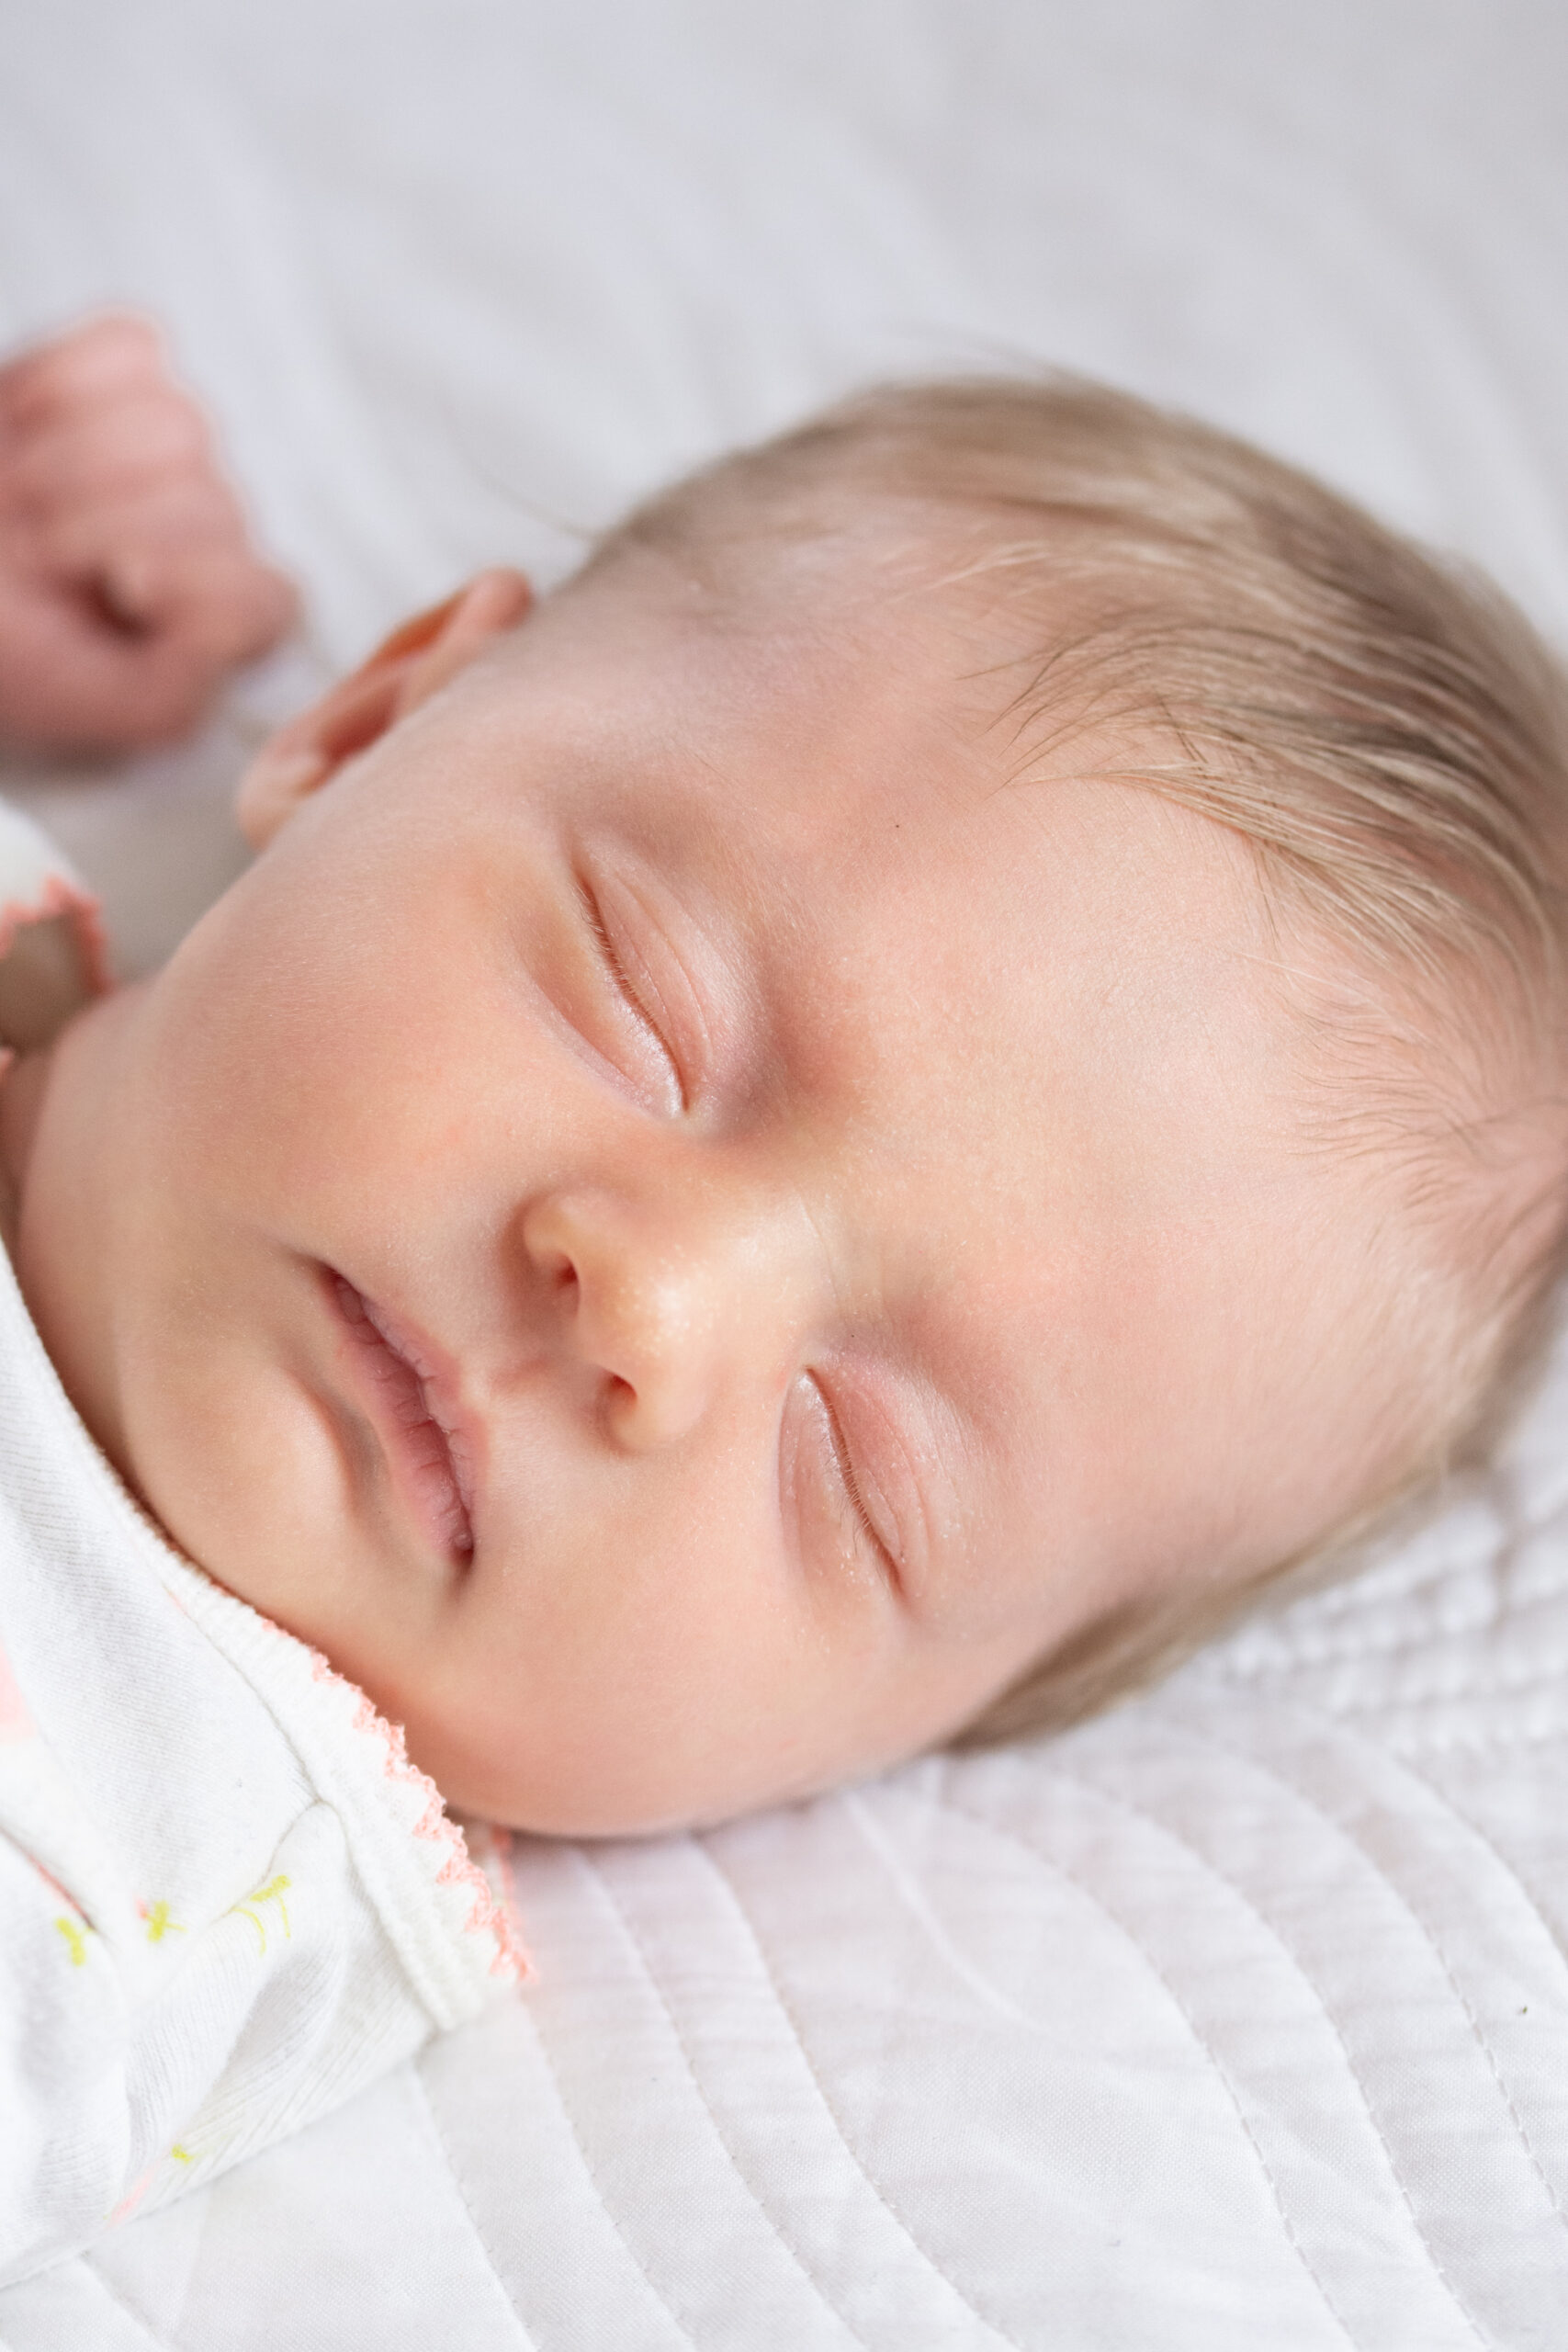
(417, 1445)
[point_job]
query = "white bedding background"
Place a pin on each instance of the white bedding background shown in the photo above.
(1238, 2019)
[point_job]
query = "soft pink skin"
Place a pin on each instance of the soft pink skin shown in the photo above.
(953, 1140)
(129, 588)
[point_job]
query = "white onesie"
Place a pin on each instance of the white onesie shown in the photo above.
(227, 1901)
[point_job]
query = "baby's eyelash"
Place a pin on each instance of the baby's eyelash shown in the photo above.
(846, 1471)
(624, 988)
(857, 1501)
(607, 947)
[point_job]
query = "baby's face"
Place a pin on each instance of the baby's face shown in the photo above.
(682, 1233)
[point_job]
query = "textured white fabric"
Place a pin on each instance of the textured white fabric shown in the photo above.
(1239, 2019)
(226, 1900)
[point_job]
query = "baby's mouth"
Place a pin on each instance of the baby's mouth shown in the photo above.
(425, 1452)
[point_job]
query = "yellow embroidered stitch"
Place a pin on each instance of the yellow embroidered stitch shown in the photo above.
(271, 1892)
(181, 2156)
(76, 1937)
(159, 1923)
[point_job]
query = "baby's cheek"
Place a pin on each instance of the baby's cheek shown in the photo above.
(269, 1064)
(629, 1680)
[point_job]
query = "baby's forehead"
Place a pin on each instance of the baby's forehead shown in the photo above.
(983, 967)
(825, 742)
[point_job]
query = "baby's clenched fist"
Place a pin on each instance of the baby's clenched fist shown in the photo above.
(129, 587)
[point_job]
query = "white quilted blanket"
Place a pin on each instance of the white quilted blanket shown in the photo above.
(1237, 2022)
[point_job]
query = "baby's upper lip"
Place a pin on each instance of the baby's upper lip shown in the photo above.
(439, 1382)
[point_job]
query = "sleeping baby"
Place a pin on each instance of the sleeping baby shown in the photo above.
(844, 1134)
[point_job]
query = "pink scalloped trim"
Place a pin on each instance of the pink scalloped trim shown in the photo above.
(58, 896)
(487, 1916)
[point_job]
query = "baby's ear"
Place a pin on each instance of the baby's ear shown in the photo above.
(401, 674)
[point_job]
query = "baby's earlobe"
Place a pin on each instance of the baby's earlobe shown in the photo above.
(414, 662)
(272, 788)
(489, 603)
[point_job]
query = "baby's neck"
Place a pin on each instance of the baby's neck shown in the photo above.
(59, 1189)
(23, 1085)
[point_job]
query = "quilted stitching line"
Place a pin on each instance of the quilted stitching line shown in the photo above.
(419, 2091)
(1505, 1863)
(1408, 1740)
(1509, 1867)
(1345, 1644)
(1468, 1739)
(1545, 1668)
(1139, 1812)
(1315, 1647)
(977, 2310)
(921, 1911)
(1337, 1641)
(1051, 1862)
(1230, 1747)
(790, 2248)
(682, 2330)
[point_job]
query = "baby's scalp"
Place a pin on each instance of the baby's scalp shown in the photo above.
(1153, 601)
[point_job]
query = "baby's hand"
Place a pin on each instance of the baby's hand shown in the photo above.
(128, 584)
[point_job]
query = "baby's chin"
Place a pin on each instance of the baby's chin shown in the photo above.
(620, 1790)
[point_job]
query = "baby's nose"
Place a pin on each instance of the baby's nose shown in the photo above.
(649, 1303)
